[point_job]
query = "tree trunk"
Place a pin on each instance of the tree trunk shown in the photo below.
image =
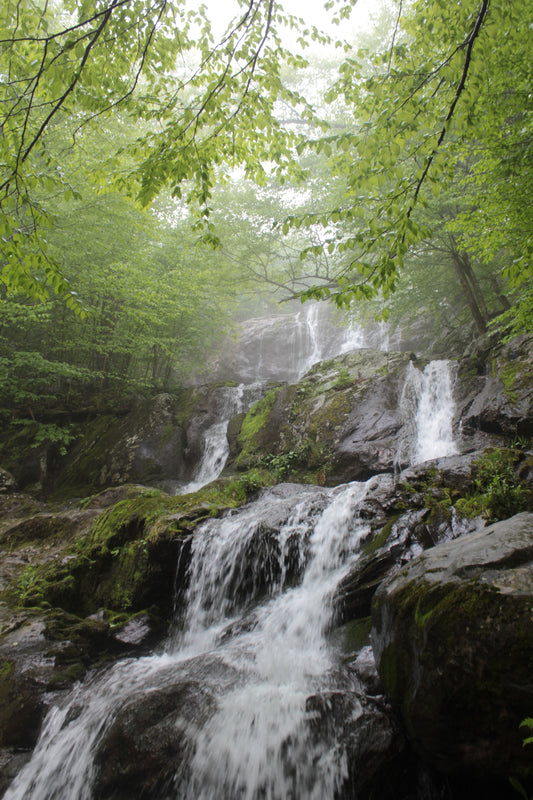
(462, 271)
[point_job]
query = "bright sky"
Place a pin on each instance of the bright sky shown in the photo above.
(311, 11)
(314, 13)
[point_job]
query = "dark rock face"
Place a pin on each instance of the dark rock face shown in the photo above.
(21, 708)
(144, 446)
(147, 743)
(493, 392)
(453, 640)
(368, 442)
(397, 536)
(367, 731)
(145, 752)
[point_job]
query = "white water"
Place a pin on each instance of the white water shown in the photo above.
(257, 743)
(284, 348)
(315, 345)
(259, 603)
(428, 409)
(215, 445)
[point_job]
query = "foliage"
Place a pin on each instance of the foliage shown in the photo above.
(283, 464)
(49, 433)
(153, 302)
(251, 481)
(411, 193)
(200, 107)
(515, 783)
(430, 115)
(527, 723)
(498, 491)
(343, 378)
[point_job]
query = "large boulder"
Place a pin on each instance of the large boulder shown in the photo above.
(493, 393)
(339, 423)
(145, 446)
(149, 740)
(453, 640)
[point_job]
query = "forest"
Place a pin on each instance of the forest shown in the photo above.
(160, 180)
(266, 409)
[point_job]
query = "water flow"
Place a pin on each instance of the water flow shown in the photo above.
(235, 399)
(284, 348)
(257, 744)
(428, 407)
(312, 349)
(323, 339)
(259, 602)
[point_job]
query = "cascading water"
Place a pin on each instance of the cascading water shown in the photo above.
(427, 408)
(312, 349)
(235, 399)
(286, 552)
(284, 348)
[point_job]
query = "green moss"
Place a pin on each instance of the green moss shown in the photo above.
(508, 377)
(7, 669)
(498, 492)
(256, 417)
(326, 420)
(112, 565)
(379, 539)
(166, 434)
(344, 379)
(439, 619)
(253, 438)
(422, 616)
(357, 634)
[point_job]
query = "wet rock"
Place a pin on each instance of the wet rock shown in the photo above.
(147, 742)
(12, 760)
(340, 420)
(141, 632)
(452, 472)
(146, 749)
(146, 446)
(398, 536)
(365, 731)
(7, 481)
(21, 707)
(493, 394)
(369, 438)
(453, 640)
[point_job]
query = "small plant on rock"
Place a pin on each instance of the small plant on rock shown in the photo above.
(515, 783)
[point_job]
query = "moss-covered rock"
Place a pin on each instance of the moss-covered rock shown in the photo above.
(260, 429)
(122, 557)
(337, 424)
(145, 445)
(493, 392)
(21, 708)
(453, 640)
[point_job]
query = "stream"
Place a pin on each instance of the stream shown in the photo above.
(251, 654)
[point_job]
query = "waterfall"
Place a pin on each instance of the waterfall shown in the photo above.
(312, 349)
(235, 399)
(259, 604)
(354, 338)
(427, 408)
(285, 347)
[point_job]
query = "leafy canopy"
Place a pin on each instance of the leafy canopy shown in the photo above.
(449, 85)
(200, 107)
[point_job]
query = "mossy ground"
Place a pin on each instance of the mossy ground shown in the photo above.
(112, 565)
(253, 439)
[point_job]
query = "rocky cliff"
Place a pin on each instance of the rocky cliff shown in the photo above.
(84, 583)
